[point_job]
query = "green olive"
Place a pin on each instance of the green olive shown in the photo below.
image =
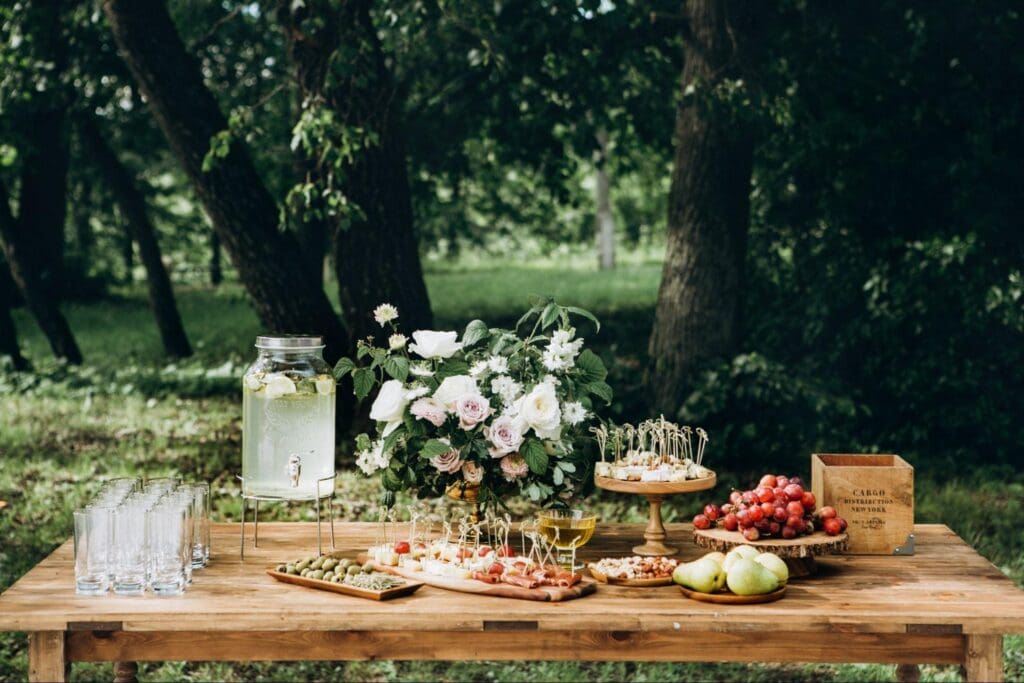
(367, 569)
(290, 569)
(305, 572)
(317, 563)
(352, 569)
(302, 564)
(281, 567)
(337, 578)
(345, 564)
(329, 563)
(316, 574)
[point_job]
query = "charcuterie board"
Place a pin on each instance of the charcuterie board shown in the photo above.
(408, 587)
(499, 590)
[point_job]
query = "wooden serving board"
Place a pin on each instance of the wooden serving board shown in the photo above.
(638, 583)
(346, 589)
(499, 590)
(663, 488)
(727, 598)
(799, 552)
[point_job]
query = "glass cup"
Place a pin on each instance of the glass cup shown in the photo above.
(201, 523)
(92, 550)
(129, 548)
(168, 537)
(567, 531)
(161, 484)
(182, 499)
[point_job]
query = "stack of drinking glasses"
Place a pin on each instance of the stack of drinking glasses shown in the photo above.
(135, 537)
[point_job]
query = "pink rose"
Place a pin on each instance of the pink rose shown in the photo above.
(472, 473)
(472, 409)
(514, 467)
(429, 409)
(449, 461)
(506, 436)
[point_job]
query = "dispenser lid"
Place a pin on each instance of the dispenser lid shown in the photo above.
(290, 342)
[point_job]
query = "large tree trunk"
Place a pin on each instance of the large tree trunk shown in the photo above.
(708, 213)
(375, 251)
(604, 219)
(8, 332)
(27, 269)
(240, 207)
(216, 271)
(132, 205)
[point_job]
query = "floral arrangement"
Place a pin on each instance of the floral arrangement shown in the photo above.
(494, 409)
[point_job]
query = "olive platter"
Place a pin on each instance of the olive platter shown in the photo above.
(343, 576)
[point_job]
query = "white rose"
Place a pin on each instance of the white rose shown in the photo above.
(453, 388)
(430, 344)
(539, 409)
(390, 403)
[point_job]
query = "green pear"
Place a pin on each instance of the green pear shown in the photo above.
(701, 575)
(740, 552)
(775, 564)
(716, 556)
(747, 577)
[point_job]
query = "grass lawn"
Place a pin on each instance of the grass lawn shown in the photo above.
(127, 412)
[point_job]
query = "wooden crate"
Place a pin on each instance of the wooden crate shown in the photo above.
(874, 493)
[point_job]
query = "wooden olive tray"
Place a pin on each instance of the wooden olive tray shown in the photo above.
(346, 589)
(639, 583)
(499, 590)
(728, 598)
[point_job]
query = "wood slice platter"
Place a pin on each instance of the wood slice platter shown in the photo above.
(727, 598)
(498, 590)
(799, 552)
(410, 586)
(638, 583)
(662, 488)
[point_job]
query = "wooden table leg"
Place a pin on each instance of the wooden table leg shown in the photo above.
(983, 658)
(908, 673)
(126, 672)
(46, 661)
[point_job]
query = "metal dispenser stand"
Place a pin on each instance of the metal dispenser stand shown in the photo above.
(280, 499)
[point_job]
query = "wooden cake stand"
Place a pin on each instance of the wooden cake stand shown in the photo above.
(655, 492)
(799, 552)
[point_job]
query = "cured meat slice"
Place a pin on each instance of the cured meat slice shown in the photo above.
(567, 579)
(487, 577)
(521, 581)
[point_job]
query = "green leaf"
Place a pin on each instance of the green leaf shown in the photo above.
(582, 312)
(434, 448)
(452, 367)
(397, 367)
(363, 351)
(363, 381)
(549, 316)
(535, 456)
(529, 314)
(392, 439)
(600, 389)
(567, 466)
(557, 476)
(363, 442)
(475, 331)
(391, 479)
(343, 367)
(592, 367)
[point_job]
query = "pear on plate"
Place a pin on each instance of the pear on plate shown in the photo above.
(748, 577)
(740, 552)
(716, 556)
(704, 575)
(775, 564)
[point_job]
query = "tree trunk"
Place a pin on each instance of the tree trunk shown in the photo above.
(8, 332)
(375, 251)
(708, 213)
(240, 207)
(605, 220)
(132, 205)
(28, 270)
(216, 271)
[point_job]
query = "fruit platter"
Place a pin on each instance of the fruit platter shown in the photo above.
(345, 576)
(744, 575)
(655, 459)
(776, 515)
(635, 571)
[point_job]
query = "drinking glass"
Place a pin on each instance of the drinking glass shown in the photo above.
(129, 548)
(201, 523)
(568, 531)
(92, 550)
(168, 538)
(182, 499)
(161, 484)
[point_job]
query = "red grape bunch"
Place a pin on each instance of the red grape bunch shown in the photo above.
(778, 507)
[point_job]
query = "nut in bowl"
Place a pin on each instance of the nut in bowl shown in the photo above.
(634, 571)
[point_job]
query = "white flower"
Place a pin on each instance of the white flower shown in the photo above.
(374, 458)
(454, 387)
(498, 364)
(561, 352)
(472, 473)
(421, 370)
(416, 392)
(429, 409)
(549, 379)
(390, 403)
(278, 385)
(539, 409)
(505, 435)
(554, 361)
(573, 413)
(478, 368)
(397, 341)
(384, 314)
(506, 388)
(430, 344)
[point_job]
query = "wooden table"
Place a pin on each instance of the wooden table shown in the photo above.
(945, 605)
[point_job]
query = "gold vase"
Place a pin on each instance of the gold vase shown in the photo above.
(465, 492)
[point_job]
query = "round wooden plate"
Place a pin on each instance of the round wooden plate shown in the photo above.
(656, 487)
(639, 583)
(799, 552)
(733, 599)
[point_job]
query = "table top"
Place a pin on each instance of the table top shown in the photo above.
(947, 587)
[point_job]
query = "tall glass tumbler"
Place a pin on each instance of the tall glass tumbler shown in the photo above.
(129, 549)
(92, 550)
(182, 499)
(201, 522)
(168, 538)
